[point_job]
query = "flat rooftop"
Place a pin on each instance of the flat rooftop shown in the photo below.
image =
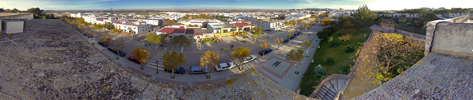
(11, 14)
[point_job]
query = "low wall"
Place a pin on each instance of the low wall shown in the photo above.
(453, 38)
(457, 32)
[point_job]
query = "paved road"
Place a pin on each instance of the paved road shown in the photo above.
(283, 74)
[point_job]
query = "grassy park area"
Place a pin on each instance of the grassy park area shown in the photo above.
(336, 49)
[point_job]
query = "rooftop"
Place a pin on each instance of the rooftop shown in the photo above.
(170, 30)
(239, 24)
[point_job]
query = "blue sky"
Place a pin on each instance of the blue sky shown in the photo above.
(227, 4)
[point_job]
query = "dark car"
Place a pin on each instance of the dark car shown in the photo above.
(179, 70)
(266, 51)
(285, 41)
(122, 54)
(292, 37)
(134, 60)
(103, 44)
(198, 70)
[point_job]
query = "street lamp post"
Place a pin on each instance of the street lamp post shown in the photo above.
(157, 67)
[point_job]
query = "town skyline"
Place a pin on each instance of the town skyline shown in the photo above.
(231, 4)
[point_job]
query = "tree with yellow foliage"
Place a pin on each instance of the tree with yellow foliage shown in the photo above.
(393, 53)
(278, 41)
(295, 57)
(345, 37)
(141, 55)
(240, 53)
(326, 21)
(263, 46)
(307, 44)
(208, 61)
(105, 39)
(172, 61)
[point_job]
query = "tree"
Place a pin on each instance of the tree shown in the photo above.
(7, 11)
(118, 46)
(389, 55)
(330, 39)
(14, 10)
(105, 39)
(240, 53)
(1, 10)
(157, 39)
(326, 21)
(170, 22)
(172, 61)
(317, 19)
(345, 37)
(208, 61)
(263, 46)
(459, 10)
(181, 41)
(295, 57)
(141, 55)
(402, 19)
(257, 33)
(204, 24)
(64, 16)
(109, 25)
(36, 11)
(364, 16)
(388, 25)
(307, 44)
(98, 26)
(347, 24)
(286, 22)
(278, 41)
(307, 26)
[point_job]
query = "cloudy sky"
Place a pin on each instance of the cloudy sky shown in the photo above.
(228, 4)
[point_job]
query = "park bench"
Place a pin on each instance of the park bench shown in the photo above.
(276, 63)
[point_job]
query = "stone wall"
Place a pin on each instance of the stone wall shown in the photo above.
(431, 28)
(453, 38)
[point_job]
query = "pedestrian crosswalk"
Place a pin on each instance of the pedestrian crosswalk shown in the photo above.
(156, 62)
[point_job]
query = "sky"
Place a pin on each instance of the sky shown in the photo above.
(229, 4)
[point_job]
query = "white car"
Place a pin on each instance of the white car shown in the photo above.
(224, 66)
(249, 58)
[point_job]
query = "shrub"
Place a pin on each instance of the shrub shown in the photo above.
(228, 82)
(330, 60)
(350, 49)
(319, 71)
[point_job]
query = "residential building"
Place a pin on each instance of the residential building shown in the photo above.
(241, 26)
(269, 25)
(219, 29)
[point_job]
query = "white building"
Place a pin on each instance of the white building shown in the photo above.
(269, 25)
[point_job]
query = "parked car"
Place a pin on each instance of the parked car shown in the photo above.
(198, 70)
(292, 37)
(286, 40)
(134, 60)
(103, 44)
(179, 70)
(224, 66)
(266, 51)
(249, 58)
(122, 54)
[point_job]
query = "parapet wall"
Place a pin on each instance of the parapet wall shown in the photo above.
(453, 38)
(452, 33)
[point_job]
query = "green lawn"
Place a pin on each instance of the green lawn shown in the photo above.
(342, 59)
